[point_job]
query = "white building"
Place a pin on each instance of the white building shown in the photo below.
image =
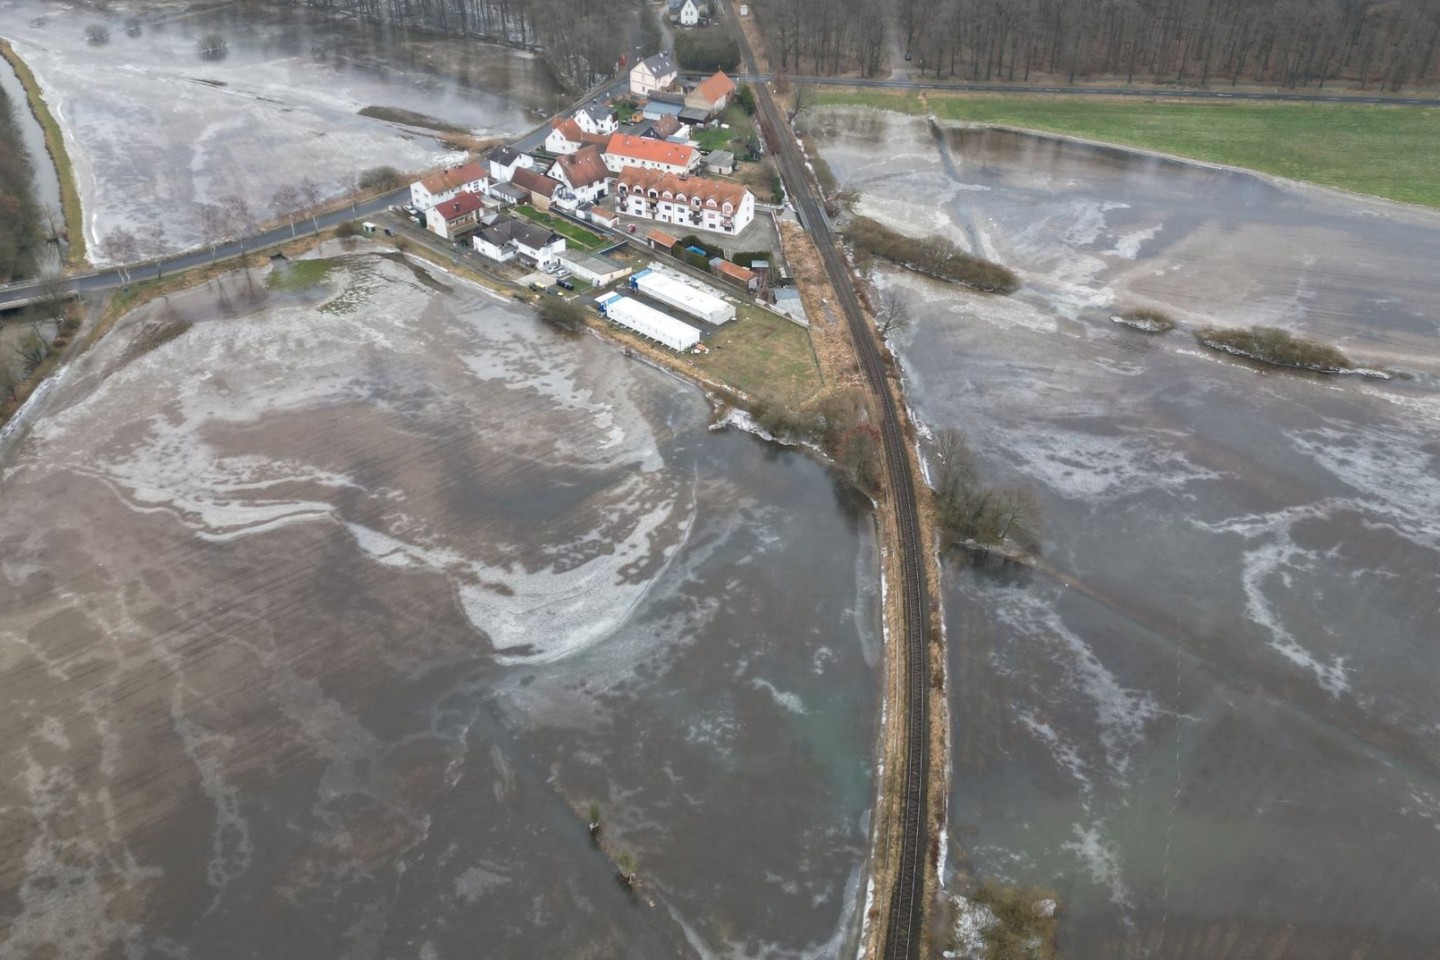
(584, 174)
(472, 177)
(624, 152)
(684, 295)
(692, 203)
(593, 269)
(504, 161)
(689, 13)
(567, 136)
(596, 119)
(651, 74)
(508, 239)
(649, 322)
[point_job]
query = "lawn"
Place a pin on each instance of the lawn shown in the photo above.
(1379, 150)
(299, 274)
(577, 236)
(764, 355)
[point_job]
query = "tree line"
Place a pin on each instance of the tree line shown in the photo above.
(20, 236)
(581, 40)
(1381, 44)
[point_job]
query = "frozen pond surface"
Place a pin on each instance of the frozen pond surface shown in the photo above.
(1211, 723)
(326, 615)
(154, 131)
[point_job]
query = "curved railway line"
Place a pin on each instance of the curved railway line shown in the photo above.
(903, 929)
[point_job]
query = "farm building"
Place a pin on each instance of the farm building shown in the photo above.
(683, 295)
(648, 322)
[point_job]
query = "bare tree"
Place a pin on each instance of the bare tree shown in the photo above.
(123, 247)
(892, 312)
(311, 194)
(286, 203)
(32, 349)
(803, 99)
(242, 220)
(213, 224)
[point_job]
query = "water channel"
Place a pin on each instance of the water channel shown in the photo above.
(47, 182)
(1208, 722)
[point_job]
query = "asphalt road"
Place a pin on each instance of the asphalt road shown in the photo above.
(114, 277)
(1178, 93)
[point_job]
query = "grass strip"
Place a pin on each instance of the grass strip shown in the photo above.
(55, 144)
(1384, 151)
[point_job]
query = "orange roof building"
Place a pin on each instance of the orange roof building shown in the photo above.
(566, 137)
(624, 151)
(694, 202)
(428, 191)
(711, 94)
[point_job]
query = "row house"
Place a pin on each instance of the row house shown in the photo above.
(692, 203)
(627, 152)
(472, 177)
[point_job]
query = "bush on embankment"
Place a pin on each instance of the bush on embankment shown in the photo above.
(972, 512)
(1274, 346)
(935, 256)
(1146, 320)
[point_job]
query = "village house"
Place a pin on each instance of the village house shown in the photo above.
(510, 239)
(456, 216)
(567, 136)
(687, 14)
(428, 191)
(693, 202)
(652, 74)
(542, 189)
(584, 174)
(596, 119)
(504, 161)
(624, 152)
(711, 95)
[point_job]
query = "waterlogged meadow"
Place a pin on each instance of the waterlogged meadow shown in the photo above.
(333, 604)
(1206, 719)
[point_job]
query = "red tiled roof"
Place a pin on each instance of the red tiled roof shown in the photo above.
(666, 126)
(633, 178)
(734, 270)
(455, 177)
(528, 179)
(662, 238)
(463, 203)
(584, 167)
(571, 131)
(655, 151)
(715, 87)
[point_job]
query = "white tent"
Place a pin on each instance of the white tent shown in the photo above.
(684, 295)
(649, 322)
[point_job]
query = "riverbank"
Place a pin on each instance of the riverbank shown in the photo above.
(1376, 150)
(55, 144)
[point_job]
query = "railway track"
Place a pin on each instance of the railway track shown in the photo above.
(903, 930)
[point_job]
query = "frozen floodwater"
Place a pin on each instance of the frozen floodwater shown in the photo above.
(1209, 720)
(327, 614)
(154, 131)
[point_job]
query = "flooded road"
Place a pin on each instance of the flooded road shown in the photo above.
(1209, 722)
(155, 131)
(328, 613)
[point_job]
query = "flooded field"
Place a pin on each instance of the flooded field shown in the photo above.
(327, 613)
(1208, 721)
(154, 130)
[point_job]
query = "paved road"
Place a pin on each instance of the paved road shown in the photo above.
(1180, 93)
(111, 278)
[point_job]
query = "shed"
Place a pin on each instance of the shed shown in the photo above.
(593, 269)
(720, 161)
(660, 240)
(648, 322)
(695, 116)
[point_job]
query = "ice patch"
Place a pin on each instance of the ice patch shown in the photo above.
(1102, 863)
(789, 701)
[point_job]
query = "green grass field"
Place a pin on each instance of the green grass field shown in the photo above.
(764, 355)
(1391, 152)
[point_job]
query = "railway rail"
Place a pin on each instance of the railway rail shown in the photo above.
(904, 926)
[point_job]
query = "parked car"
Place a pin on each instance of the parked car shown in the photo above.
(566, 284)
